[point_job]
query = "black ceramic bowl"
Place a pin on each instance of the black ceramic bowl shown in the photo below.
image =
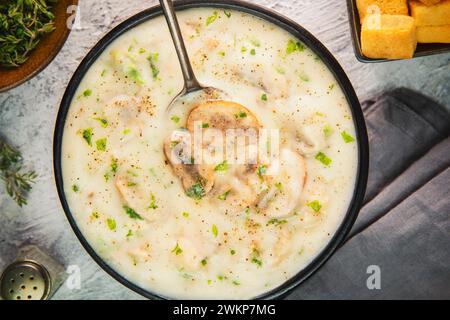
(298, 32)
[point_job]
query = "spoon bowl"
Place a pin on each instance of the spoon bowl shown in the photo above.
(192, 91)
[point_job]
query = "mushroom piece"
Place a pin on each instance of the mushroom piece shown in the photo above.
(222, 115)
(197, 179)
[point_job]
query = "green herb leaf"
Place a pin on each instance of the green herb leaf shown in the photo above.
(103, 122)
(87, 92)
(114, 165)
(135, 75)
(224, 196)
(23, 23)
(196, 191)
(186, 214)
(214, 230)
(227, 13)
(294, 46)
(277, 222)
(75, 188)
(258, 262)
(17, 182)
(132, 214)
(241, 115)
(153, 59)
(261, 171)
(264, 97)
(153, 202)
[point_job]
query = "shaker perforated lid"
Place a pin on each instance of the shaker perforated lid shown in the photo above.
(25, 280)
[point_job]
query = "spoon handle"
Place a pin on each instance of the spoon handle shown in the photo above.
(190, 81)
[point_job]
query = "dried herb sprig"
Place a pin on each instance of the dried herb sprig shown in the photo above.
(17, 182)
(22, 25)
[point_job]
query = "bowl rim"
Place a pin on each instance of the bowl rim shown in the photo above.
(297, 31)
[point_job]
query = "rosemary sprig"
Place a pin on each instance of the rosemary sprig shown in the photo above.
(22, 25)
(17, 182)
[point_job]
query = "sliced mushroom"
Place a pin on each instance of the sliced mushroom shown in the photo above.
(197, 179)
(222, 115)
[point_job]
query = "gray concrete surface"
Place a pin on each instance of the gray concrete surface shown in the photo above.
(27, 118)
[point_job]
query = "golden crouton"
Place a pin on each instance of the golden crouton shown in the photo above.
(436, 15)
(388, 36)
(396, 7)
(433, 34)
(430, 2)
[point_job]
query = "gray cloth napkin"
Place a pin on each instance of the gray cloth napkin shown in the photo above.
(399, 247)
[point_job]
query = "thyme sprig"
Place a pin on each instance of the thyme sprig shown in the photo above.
(17, 182)
(22, 25)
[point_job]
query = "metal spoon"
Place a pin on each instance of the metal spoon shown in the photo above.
(191, 85)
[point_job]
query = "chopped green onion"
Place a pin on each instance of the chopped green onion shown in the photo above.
(323, 158)
(87, 135)
(196, 191)
(327, 131)
(224, 196)
(111, 224)
(347, 137)
(212, 18)
(101, 144)
(103, 122)
(87, 93)
(258, 262)
(315, 205)
(177, 250)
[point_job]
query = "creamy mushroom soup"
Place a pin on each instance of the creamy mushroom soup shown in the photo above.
(224, 229)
